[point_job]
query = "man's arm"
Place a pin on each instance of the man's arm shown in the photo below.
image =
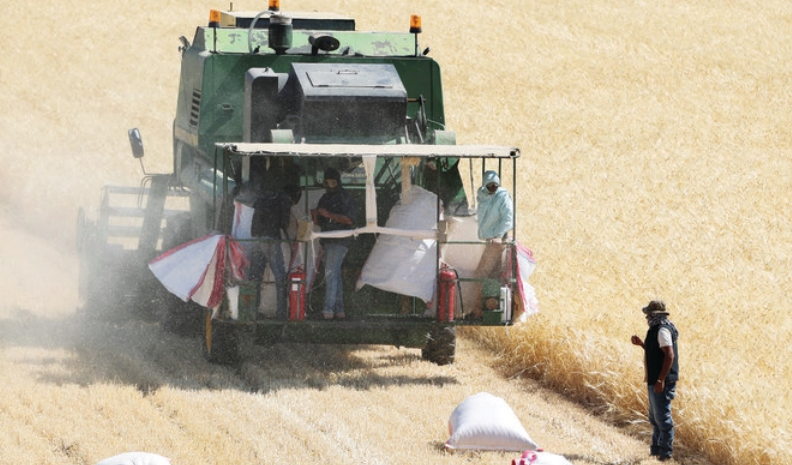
(668, 360)
(285, 214)
(506, 216)
(335, 217)
(640, 343)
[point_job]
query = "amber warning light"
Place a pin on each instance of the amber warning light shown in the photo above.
(415, 24)
(274, 5)
(214, 18)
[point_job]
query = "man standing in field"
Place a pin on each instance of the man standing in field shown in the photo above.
(661, 364)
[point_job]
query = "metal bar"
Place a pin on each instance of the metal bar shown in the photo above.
(152, 221)
(403, 150)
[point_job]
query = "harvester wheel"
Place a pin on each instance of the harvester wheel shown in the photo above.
(221, 345)
(441, 345)
(183, 319)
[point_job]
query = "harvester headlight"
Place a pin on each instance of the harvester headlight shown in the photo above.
(214, 18)
(415, 24)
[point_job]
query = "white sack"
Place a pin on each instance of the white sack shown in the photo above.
(402, 264)
(135, 458)
(486, 422)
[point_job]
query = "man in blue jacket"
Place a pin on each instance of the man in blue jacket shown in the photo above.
(495, 218)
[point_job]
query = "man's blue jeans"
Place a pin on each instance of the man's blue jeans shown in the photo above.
(334, 292)
(269, 251)
(660, 418)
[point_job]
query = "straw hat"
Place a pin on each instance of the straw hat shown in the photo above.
(655, 307)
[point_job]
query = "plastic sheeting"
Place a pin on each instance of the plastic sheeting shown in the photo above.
(525, 266)
(195, 270)
(399, 263)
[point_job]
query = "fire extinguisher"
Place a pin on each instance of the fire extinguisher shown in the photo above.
(297, 295)
(446, 293)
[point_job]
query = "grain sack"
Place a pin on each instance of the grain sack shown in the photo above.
(486, 422)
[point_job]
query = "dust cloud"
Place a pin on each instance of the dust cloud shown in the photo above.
(75, 76)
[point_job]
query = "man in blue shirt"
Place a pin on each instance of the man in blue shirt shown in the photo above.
(495, 218)
(494, 209)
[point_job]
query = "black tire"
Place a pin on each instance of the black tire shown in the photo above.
(220, 342)
(181, 318)
(440, 345)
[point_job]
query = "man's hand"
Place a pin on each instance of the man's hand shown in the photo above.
(636, 340)
(659, 386)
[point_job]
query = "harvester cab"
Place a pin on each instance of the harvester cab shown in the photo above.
(268, 102)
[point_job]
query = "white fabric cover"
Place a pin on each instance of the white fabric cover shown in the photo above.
(486, 422)
(464, 257)
(402, 264)
(135, 458)
(525, 266)
(243, 220)
(194, 271)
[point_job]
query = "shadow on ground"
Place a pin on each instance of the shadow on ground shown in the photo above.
(81, 349)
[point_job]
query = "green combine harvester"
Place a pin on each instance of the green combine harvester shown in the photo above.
(294, 94)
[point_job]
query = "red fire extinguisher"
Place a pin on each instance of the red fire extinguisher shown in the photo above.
(446, 293)
(297, 295)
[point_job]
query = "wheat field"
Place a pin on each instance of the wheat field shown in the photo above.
(656, 164)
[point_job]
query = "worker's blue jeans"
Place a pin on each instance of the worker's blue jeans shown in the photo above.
(269, 251)
(334, 291)
(660, 418)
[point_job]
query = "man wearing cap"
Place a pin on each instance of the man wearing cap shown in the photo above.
(495, 218)
(661, 364)
(335, 211)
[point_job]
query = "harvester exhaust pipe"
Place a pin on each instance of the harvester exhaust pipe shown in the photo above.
(280, 33)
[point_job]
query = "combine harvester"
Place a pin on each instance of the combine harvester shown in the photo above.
(270, 100)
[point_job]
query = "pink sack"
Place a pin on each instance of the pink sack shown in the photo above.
(540, 457)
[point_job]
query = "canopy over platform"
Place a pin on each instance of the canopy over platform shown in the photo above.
(355, 150)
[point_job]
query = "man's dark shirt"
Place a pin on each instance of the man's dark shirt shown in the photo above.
(339, 202)
(271, 216)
